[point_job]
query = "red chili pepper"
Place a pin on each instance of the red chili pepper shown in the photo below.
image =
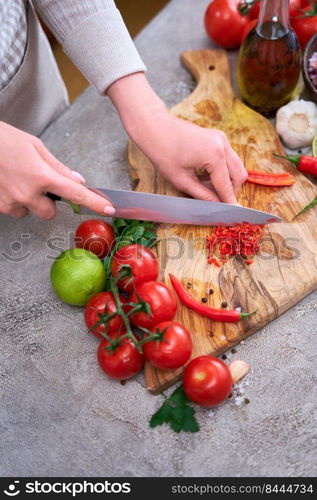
(304, 163)
(270, 179)
(230, 316)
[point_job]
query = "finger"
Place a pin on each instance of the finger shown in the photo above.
(80, 195)
(43, 207)
(237, 171)
(58, 166)
(19, 212)
(191, 185)
(220, 179)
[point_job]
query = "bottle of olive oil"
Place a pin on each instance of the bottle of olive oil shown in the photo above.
(269, 59)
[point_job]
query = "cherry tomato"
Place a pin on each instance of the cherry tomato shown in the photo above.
(207, 381)
(305, 27)
(102, 303)
(161, 300)
(173, 351)
(123, 363)
(143, 264)
(95, 235)
(224, 24)
(248, 27)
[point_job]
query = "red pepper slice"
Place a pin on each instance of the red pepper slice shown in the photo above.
(270, 179)
(230, 316)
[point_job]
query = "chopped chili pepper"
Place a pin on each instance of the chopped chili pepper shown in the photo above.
(228, 241)
(230, 316)
(304, 163)
(270, 179)
(310, 205)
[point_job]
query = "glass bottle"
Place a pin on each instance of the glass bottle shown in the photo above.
(269, 60)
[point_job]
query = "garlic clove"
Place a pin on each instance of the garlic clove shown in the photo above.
(238, 369)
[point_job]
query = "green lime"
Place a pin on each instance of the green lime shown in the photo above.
(77, 275)
(314, 146)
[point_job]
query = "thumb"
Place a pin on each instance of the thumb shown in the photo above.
(192, 186)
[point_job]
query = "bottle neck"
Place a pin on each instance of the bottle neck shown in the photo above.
(273, 19)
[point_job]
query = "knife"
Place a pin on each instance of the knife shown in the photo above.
(176, 210)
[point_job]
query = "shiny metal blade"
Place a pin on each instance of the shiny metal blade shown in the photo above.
(177, 210)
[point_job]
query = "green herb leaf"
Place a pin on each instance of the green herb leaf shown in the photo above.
(176, 412)
(179, 397)
(161, 416)
(134, 231)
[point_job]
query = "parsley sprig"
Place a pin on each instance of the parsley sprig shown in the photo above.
(134, 231)
(176, 412)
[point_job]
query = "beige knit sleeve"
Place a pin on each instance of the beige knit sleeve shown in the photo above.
(94, 36)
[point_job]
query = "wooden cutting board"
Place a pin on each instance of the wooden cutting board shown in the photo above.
(287, 269)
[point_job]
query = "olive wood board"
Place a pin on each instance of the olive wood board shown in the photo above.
(284, 271)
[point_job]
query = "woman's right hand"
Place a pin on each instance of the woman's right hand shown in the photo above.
(28, 171)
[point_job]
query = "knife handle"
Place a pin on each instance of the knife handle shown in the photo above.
(53, 197)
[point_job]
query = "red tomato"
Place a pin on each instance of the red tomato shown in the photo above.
(143, 264)
(295, 7)
(121, 364)
(207, 381)
(224, 23)
(95, 235)
(249, 26)
(305, 27)
(255, 10)
(161, 301)
(102, 303)
(173, 350)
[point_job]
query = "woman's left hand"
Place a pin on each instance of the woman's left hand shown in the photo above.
(179, 149)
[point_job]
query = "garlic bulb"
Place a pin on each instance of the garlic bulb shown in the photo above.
(296, 123)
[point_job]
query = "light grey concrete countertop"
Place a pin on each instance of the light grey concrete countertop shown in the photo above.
(59, 415)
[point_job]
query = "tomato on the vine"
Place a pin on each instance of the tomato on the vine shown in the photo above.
(224, 24)
(122, 363)
(102, 303)
(142, 262)
(207, 381)
(95, 235)
(161, 300)
(173, 350)
(305, 24)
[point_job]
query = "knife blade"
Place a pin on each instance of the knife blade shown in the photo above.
(178, 210)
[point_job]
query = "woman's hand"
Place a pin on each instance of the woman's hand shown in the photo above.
(179, 149)
(28, 170)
